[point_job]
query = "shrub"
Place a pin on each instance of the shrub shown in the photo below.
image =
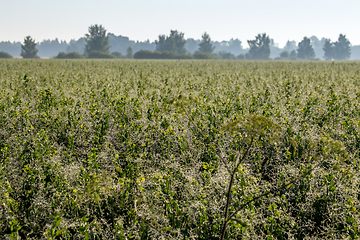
(118, 55)
(201, 55)
(5, 55)
(72, 55)
(98, 54)
(241, 57)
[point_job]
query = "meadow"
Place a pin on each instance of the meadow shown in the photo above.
(128, 149)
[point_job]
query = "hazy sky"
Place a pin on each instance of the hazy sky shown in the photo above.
(144, 19)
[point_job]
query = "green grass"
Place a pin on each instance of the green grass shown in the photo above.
(125, 149)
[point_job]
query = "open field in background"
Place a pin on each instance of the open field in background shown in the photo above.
(97, 149)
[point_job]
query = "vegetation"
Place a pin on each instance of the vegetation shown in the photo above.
(339, 50)
(175, 42)
(143, 54)
(205, 45)
(28, 48)
(96, 40)
(5, 55)
(179, 150)
(72, 55)
(259, 47)
(99, 54)
(305, 50)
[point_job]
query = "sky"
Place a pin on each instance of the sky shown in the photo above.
(140, 20)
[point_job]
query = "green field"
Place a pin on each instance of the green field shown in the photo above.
(122, 149)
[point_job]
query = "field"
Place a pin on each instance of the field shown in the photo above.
(121, 149)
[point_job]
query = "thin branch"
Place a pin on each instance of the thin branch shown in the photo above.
(263, 195)
(237, 164)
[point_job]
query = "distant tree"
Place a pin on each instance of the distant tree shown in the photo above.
(99, 54)
(329, 50)
(226, 55)
(28, 49)
(202, 55)
(259, 48)
(342, 48)
(285, 54)
(117, 54)
(76, 46)
(235, 46)
(290, 46)
(175, 42)
(205, 45)
(129, 52)
(305, 49)
(96, 40)
(241, 56)
(5, 55)
(72, 55)
(293, 55)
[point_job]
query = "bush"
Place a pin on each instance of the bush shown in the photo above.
(285, 54)
(241, 57)
(98, 54)
(145, 54)
(5, 55)
(118, 55)
(227, 55)
(72, 55)
(201, 55)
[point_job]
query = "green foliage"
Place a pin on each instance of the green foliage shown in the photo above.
(129, 52)
(259, 48)
(305, 50)
(342, 48)
(201, 55)
(241, 57)
(5, 55)
(28, 48)
(205, 46)
(285, 54)
(175, 42)
(72, 55)
(227, 55)
(98, 54)
(117, 54)
(329, 50)
(145, 54)
(96, 40)
(111, 149)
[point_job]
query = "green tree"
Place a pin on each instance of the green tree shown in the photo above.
(175, 42)
(329, 50)
(28, 49)
(205, 46)
(96, 39)
(305, 49)
(129, 52)
(285, 54)
(259, 48)
(342, 48)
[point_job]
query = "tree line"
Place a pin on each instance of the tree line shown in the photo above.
(97, 45)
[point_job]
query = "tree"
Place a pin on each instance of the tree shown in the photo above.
(259, 48)
(305, 49)
(342, 48)
(175, 42)
(293, 55)
(285, 54)
(329, 50)
(28, 49)
(96, 39)
(129, 52)
(205, 45)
